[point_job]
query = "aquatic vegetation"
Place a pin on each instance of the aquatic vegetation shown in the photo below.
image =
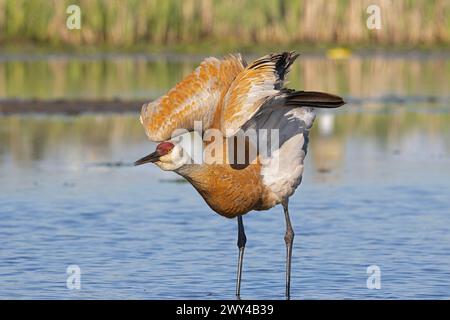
(230, 22)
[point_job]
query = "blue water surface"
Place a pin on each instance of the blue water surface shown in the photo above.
(376, 193)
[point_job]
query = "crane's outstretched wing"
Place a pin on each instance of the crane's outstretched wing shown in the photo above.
(260, 85)
(292, 114)
(260, 80)
(193, 99)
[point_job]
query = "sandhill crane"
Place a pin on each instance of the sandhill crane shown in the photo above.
(228, 95)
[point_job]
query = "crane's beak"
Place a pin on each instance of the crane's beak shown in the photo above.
(152, 157)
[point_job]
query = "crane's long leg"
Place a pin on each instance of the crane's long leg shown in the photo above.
(289, 239)
(242, 240)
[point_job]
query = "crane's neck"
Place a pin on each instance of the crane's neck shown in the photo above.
(192, 172)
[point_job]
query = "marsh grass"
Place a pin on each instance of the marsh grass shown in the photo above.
(229, 22)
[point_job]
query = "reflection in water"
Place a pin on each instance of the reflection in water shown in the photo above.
(68, 140)
(395, 132)
(97, 138)
(131, 77)
(328, 154)
(375, 192)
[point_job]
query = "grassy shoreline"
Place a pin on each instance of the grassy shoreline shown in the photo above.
(194, 25)
(208, 48)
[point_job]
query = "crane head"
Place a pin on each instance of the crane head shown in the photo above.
(171, 155)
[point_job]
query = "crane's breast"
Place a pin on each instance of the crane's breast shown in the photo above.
(229, 192)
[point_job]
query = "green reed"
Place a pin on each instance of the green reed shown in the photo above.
(225, 22)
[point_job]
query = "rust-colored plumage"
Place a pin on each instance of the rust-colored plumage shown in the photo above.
(194, 99)
(222, 187)
(229, 95)
(247, 93)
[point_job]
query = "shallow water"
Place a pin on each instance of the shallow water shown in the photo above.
(375, 191)
(147, 76)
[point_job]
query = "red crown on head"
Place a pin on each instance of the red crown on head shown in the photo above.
(164, 148)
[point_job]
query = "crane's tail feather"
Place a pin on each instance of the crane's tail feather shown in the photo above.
(311, 99)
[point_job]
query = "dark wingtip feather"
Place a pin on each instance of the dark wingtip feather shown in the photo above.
(313, 99)
(282, 63)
